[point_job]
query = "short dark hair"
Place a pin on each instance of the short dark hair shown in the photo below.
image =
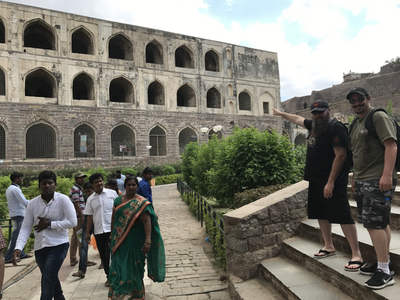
(118, 171)
(138, 174)
(95, 176)
(87, 186)
(15, 175)
(47, 175)
(112, 182)
(129, 175)
(129, 178)
(147, 170)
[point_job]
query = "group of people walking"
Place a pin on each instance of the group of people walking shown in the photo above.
(125, 228)
(330, 145)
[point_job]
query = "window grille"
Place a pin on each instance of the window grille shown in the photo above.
(158, 142)
(2, 143)
(266, 108)
(2, 82)
(244, 101)
(84, 141)
(186, 136)
(40, 142)
(123, 141)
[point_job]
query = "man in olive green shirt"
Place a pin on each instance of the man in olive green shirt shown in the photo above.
(374, 181)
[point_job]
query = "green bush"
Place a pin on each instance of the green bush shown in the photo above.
(160, 180)
(4, 184)
(168, 170)
(248, 196)
(189, 157)
(3, 207)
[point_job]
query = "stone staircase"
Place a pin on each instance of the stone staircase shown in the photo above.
(296, 274)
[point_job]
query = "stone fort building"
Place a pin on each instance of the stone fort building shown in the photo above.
(79, 91)
(382, 87)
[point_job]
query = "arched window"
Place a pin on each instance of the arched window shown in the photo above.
(123, 141)
(2, 32)
(186, 96)
(84, 141)
(2, 83)
(40, 83)
(158, 142)
(267, 102)
(83, 87)
(41, 142)
(39, 35)
(212, 132)
(212, 61)
(120, 47)
(184, 58)
(2, 143)
(186, 136)
(121, 90)
(155, 93)
(154, 53)
(81, 42)
(213, 98)
(244, 101)
(300, 140)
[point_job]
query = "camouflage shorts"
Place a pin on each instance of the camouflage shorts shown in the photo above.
(373, 206)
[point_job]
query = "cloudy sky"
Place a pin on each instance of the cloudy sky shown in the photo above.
(316, 40)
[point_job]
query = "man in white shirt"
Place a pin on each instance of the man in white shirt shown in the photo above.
(99, 207)
(17, 203)
(51, 214)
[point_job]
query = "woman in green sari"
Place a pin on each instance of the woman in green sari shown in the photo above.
(135, 233)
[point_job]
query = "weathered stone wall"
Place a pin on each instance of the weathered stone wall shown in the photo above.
(255, 232)
(16, 118)
(240, 69)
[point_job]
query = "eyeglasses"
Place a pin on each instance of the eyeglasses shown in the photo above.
(359, 100)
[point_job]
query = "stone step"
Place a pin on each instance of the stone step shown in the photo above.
(331, 270)
(310, 229)
(296, 282)
(394, 218)
(252, 289)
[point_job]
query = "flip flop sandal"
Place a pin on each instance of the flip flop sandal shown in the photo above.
(354, 262)
(325, 254)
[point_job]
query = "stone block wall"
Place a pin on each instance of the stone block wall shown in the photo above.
(255, 232)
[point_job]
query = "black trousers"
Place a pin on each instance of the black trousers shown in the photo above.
(103, 244)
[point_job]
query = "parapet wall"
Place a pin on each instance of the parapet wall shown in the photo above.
(255, 232)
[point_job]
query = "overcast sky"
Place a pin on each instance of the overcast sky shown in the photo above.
(316, 40)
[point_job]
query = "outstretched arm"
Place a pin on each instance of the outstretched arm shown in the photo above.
(298, 120)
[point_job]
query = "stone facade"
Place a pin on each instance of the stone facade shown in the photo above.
(382, 88)
(255, 231)
(64, 71)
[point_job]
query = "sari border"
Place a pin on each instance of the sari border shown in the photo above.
(131, 223)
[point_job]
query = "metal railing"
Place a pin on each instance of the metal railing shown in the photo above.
(9, 226)
(203, 207)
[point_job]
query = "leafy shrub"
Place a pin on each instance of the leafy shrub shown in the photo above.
(252, 195)
(168, 170)
(5, 182)
(189, 157)
(128, 170)
(300, 153)
(3, 207)
(160, 180)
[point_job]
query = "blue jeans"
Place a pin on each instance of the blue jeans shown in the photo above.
(17, 224)
(83, 252)
(50, 260)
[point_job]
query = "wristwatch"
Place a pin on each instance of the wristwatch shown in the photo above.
(49, 227)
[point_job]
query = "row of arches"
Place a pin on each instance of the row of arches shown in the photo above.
(41, 83)
(39, 34)
(41, 141)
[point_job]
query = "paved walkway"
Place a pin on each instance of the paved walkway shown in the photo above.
(190, 274)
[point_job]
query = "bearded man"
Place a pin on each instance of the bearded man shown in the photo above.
(327, 173)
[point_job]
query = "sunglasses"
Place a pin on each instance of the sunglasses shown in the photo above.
(315, 112)
(359, 100)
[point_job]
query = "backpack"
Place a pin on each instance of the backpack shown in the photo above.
(369, 125)
(349, 156)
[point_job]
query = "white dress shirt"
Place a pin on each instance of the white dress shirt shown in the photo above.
(60, 211)
(101, 207)
(16, 201)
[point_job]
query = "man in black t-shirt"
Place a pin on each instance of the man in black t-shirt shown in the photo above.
(327, 173)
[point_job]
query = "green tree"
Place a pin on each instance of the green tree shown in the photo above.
(188, 159)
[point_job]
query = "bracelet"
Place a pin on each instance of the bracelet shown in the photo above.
(147, 241)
